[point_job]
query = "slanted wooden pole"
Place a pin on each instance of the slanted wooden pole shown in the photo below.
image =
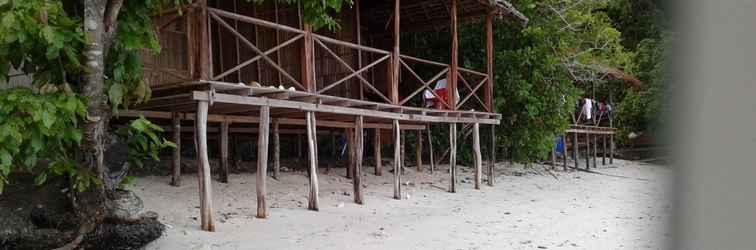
(350, 152)
(452, 157)
(453, 66)
(176, 163)
(313, 199)
(430, 149)
(603, 150)
(477, 157)
(377, 152)
(262, 160)
(397, 160)
(492, 157)
(419, 151)
(276, 150)
(203, 168)
(358, 146)
(224, 152)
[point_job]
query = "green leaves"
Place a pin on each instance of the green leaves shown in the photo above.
(144, 142)
(36, 126)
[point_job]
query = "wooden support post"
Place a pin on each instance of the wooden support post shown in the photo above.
(430, 149)
(262, 161)
(377, 152)
(611, 149)
(276, 150)
(603, 150)
(477, 157)
(397, 160)
(350, 152)
(203, 168)
(176, 163)
(223, 152)
(553, 158)
(404, 153)
(492, 157)
(489, 61)
(453, 66)
(575, 149)
(595, 150)
(395, 64)
(307, 57)
(564, 151)
(419, 151)
(452, 157)
(299, 146)
(313, 153)
(587, 151)
(358, 146)
(205, 55)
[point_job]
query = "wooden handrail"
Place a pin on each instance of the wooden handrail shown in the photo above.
(253, 20)
(350, 45)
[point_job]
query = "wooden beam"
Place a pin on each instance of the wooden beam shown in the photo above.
(176, 160)
(203, 169)
(262, 161)
(313, 155)
(454, 67)
(587, 151)
(377, 152)
(595, 150)
(564, 151)
(276, 150)
(308, 64)
(358, 147)
(489, 61)
(611, 149)
(224, 152)
(575, 149)
(452, 157)
(419, 150)
(603, 151)
(477, 157)
(358, 40)
(397, 160)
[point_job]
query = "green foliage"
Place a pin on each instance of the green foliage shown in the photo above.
(318, 13)
(35, 126)
(39, 38)
(143, 140)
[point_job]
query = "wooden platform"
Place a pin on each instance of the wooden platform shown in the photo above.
(289, 106)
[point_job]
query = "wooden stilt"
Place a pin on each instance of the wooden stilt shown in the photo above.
(575, 149)
(603, 150)
(358, 146)
(452, 157)
(276, 150)
(404, 153)
(223, 152)
(553, 158)
(334, 150)
(430, 149)
(350, 152)
(262, 161)
(203, 168)
(419, 151)
(477, 157)
(492, 158)
(595, 150)
(377, 152)
(313, 154)
(611, 149)
(176, 163)
(397, 161)
(564, 151)
(587, 151)
(299, 146)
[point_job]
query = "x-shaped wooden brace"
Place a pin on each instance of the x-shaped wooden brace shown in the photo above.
(261, 54)
(472, 91)
(354, 73)
(425, 84)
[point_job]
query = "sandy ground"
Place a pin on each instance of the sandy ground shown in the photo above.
(626, 207)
